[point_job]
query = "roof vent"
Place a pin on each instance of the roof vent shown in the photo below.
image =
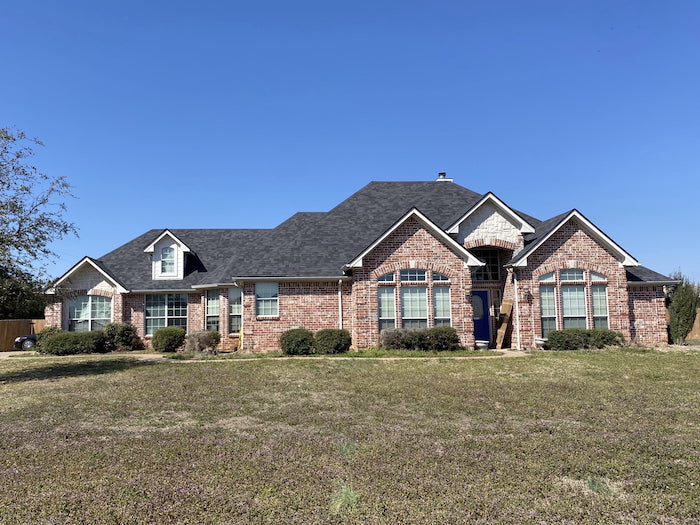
(442, 177)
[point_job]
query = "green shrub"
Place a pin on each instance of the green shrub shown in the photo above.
(442, 338)
(67, 343)
(581, 339)
(332, 341)
(204, 340)
(45, 334)
(682, 310)
(298, 341)
(425, 339)
(168, 338)
(121, 337)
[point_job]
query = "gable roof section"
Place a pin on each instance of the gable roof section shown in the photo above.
(94, 264)
(436, 231)
(166, 233)
(507, 211)
(640, 276)
(549, 227)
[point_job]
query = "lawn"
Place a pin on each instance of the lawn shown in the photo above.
(590, 437)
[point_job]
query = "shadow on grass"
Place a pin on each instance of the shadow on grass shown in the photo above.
(63, 370)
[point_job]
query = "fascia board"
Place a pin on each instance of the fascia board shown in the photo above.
(525, 227)
(151, 247)
(625, 258)
(273, 278)
(80, 264)
(436, 231)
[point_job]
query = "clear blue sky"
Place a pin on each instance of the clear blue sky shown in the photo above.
(174, 114)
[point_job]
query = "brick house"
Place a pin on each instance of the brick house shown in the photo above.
(394, 254)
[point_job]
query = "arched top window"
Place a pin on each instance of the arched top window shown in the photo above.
(571, 274)
(437, 276)
(547, 278)
(598, 277)
(386, 278)
(412, 275)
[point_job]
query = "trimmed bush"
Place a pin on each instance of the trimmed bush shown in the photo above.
(67, 343)
(121, 336)
(168, 338)
(204, 340)
(580, 339)
(45, 334)
(442, 338)
(425, 339)
(332, 341)
(298, 341)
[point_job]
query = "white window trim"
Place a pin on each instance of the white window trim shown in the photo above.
(231, 313)
(268, 300)
(89, 319)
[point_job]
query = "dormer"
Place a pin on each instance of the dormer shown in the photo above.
(490, 222)
(167, 256)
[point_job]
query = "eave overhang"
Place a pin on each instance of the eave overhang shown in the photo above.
(625, 258)
(429, 225)
(524, 226)
(94, 265)
(166, 233)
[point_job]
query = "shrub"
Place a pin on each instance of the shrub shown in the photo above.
(66, 343)
(396, 338)
(298, 341)
(121, 336)
(442, 338)
(204, 340)
(682, 310)
(45, 334)
(332, 341)
(425, 339)
(168, 338)
(580, 339)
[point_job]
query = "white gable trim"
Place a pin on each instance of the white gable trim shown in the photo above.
(625, 258)
(429, 225)
(78, 266)
(151, 247)
(525, 227)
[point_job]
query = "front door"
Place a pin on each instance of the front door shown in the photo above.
(480, 309)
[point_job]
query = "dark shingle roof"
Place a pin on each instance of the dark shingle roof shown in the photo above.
(308, 244)
(641, 275)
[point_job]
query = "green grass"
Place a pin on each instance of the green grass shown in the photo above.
(575, 437)
(364, 353)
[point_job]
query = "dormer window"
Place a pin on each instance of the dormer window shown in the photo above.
(167, 260)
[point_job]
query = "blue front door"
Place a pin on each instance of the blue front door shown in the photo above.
(480, 309)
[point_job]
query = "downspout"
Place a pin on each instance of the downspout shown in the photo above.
(517, 308)
(340, 304)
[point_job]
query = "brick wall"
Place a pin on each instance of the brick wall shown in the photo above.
(570, 247)
(648, 315)
(410, 246)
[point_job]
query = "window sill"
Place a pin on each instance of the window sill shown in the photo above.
(267, 317)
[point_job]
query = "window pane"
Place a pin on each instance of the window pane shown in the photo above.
(571, 274)
(412, 275)
(101, 308)
(387, 277)
(79, 308)
(491, 270)
(266, 295)
(177, 305)
(573, 301)
(235, 301)
(155, 306)
(414, 303)
(598, 277)
(441, 304)
(386, 323)
(153, 324)
(548, 307)
(548, 325)
(548, 277)
(440, 277)
(415, 323)
(212, 302)
(79, 325)
(599, 298)
(574, 322)
(386, 302)
(266, 290)
(167, 260)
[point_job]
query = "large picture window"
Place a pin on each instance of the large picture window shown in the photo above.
(573, 298)
(89, 312)
(165, 310)
(415, 309)
(267, 299)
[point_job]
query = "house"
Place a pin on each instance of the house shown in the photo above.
(394, 254)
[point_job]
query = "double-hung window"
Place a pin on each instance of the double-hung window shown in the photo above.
(167, 260)
(235, 310)
(414, 307)
(89, 312)
(165, 310)
(267, 299)
(441, 305)
(387, 307)
(212, 310)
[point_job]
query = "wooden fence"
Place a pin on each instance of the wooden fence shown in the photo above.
(12, 328)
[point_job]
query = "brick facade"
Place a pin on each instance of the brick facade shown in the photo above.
(351, 302)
